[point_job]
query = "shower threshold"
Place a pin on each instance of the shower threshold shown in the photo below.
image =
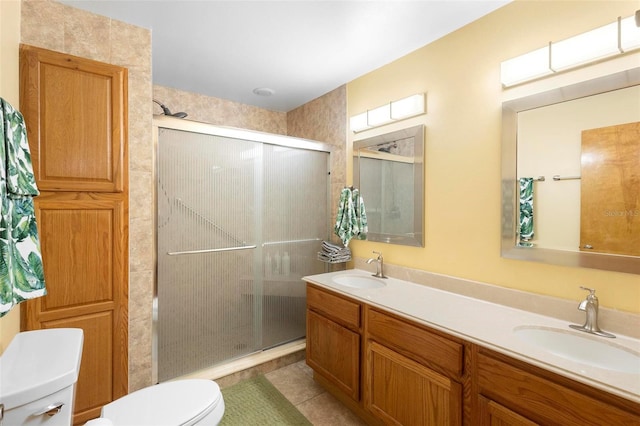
(247, 361)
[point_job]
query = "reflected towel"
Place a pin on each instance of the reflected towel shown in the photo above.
(21, 272)
(351, 220)
(526, 211)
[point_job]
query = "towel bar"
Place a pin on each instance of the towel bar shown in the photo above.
(558, 177)
(270, 243)
(177, 253)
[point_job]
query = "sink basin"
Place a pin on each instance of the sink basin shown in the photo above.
(358, 281)
(590, 350)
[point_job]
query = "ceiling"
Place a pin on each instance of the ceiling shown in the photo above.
(300, 49)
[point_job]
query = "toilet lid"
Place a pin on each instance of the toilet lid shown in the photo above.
(178, 403)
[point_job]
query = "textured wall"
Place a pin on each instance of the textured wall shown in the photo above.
(54, 26)
(324, 120)
(219, 111)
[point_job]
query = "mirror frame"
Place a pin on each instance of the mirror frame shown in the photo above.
(510, 202)
(417, 132)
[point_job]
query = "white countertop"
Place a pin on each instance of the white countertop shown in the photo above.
(489, 325)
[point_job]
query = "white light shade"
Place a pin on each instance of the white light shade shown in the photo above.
(585, 47)
(358, 123)
(408, 107)
(379, 116)
(630, 34)
(525, 67)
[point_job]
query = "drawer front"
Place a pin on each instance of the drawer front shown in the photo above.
(543, 400)
(341, 310)
(417, 342)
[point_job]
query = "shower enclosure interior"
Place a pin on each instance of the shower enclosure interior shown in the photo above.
(240, 219)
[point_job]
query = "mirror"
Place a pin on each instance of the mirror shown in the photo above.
(389, 171)
(548, 156)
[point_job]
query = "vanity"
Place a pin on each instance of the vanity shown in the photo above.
(397, 352)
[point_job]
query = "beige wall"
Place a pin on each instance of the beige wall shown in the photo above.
(323, 120)
(461, 74)
(220, 112)
(9, 40)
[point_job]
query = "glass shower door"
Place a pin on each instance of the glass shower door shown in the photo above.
(239, 223)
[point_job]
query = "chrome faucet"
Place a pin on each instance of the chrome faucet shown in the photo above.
(590, 307)
(379, 265)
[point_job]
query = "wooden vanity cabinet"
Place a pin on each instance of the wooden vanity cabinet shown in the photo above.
(413, 375)
(394, 371)
(512, 392)
(334, 327)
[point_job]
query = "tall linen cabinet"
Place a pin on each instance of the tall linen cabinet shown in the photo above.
(76, 115)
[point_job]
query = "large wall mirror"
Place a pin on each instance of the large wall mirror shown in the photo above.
(571, 175)
(389, 171)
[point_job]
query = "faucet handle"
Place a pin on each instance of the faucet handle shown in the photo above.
(592, 293)
(590, 290)
(378, 253)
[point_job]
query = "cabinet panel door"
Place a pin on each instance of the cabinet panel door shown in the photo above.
(334, 352)
(494, 414)
(95, 385)
(402, 392)
(79, 107)
(84, 244)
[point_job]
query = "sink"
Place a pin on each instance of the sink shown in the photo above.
(358, 281)
(590, 350)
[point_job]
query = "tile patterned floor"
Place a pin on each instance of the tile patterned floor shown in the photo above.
(295, 382)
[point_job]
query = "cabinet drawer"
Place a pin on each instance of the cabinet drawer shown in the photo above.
(417, 342)
(544, 401)
(335, 307)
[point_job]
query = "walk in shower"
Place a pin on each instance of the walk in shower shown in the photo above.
(240, 218)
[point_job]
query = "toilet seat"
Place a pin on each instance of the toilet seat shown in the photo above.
(178, 403)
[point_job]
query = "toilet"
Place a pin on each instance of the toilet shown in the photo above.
(38, 375)
(177, 403)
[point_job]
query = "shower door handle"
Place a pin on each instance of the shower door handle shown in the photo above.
(177, 253)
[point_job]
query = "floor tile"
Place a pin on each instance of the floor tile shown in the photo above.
(295, 383)
(325, 410)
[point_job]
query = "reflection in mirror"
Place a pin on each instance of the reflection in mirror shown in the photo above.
(571, 175)
(389, 170)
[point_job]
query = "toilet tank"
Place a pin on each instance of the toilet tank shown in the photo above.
(38, 374)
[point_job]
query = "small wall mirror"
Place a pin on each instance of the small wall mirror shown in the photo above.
(571, 175)
(389, 171)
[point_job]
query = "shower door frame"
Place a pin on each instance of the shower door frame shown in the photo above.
(172, 123)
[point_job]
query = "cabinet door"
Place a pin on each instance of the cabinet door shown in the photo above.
(401, 391)
(494, 414)
(334, 352)
(76, 109)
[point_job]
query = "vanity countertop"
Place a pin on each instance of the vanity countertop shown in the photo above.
(489, 325)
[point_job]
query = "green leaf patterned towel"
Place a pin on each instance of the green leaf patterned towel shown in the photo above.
(526, 212)
(351, 221)
(21, 271)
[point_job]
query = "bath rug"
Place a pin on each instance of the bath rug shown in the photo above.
(257, 402)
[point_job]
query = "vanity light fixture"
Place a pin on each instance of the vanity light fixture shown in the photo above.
(609, 40)
(401, 109)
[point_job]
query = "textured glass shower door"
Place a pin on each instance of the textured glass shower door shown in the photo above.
(239, 223)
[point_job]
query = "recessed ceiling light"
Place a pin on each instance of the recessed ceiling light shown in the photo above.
(263, 91)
